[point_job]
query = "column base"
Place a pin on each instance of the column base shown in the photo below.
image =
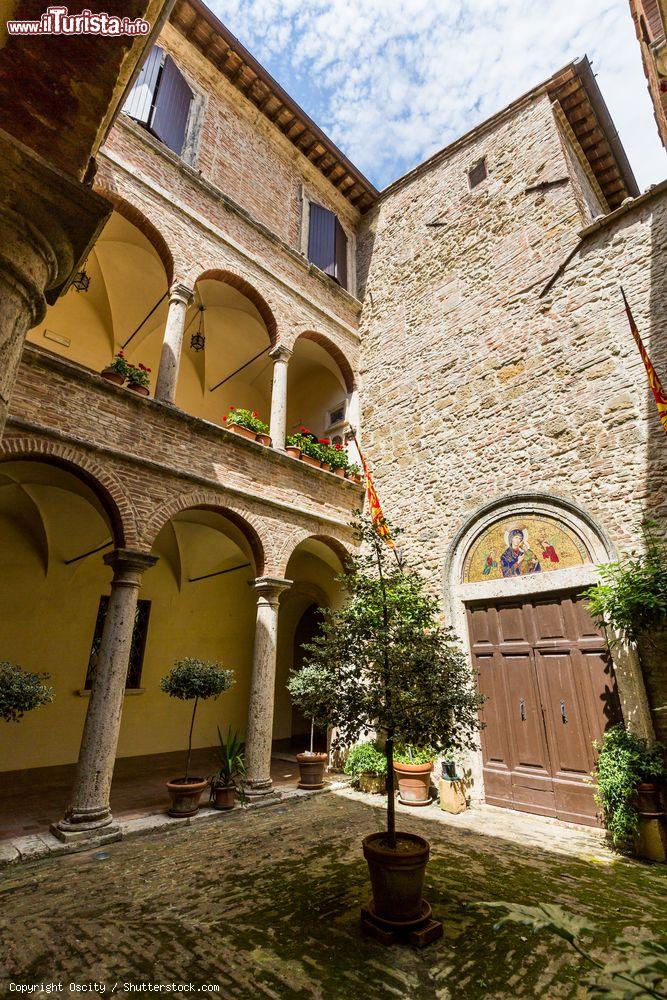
(260, 789)
(96, 826)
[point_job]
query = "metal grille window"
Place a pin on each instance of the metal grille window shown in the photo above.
(139, 634)
(160, 99)
(477, 174)
(327, 243)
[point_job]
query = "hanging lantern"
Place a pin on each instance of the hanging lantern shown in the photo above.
(81, 281)
(198, 340)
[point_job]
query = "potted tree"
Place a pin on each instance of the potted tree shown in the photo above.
(230, 778)
(384, 662)
(118, 370)
(303, 689)
(368, 766)
(413, 767)
(21, 691)
(192, 680)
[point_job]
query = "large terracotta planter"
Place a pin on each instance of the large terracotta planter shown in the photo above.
(243, 432)
(185, 796)
(139, 390)
(397, 877)
(309, 460)
(372, 783)
(224, 796)
(414, 782)
(311, 770)
(649, 800)
(111, 375)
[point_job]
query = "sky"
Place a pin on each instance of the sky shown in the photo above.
(393, 81)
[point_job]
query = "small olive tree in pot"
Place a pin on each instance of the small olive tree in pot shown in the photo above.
(192, 680)
(21, 691)
(305, 692)
(385, 663)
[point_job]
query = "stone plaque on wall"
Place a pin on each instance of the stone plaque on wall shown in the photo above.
(522, 545)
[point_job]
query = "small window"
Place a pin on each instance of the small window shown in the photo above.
(337, 415)
(139, 633)
(327, 243)
(160, 99)
(478, 173)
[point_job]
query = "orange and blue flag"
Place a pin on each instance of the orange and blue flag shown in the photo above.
(377, 515)
(654, 382)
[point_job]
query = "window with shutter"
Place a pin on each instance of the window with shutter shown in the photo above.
(327, 243)
(161, 99)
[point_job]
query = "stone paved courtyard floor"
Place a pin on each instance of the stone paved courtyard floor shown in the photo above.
(265, 903)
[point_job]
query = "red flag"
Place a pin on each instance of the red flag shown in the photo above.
(377, 516)
(659, 393)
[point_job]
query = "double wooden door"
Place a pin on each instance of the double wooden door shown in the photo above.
(550, 688)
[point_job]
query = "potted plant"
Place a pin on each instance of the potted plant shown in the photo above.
(303, 691)
(292, 446)
(118, 370)
(628, 775)
(368, 766)
(139, 379)
(413, 767)
(192, 680)
(353, 472)
(230, 778)
(383, 662)
(310, 448)
(246, 423)
(324, 444)
(338, 459)
(21, 691)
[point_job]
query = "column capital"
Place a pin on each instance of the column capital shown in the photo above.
(280, 353)
(124, 561)
(181, 293)
(270, 587)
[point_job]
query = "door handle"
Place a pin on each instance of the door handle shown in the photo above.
(563, 714)
(522, 709)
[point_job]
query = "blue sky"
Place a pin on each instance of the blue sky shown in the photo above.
(392, 81)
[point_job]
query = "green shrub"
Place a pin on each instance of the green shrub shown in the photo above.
(408, 754)
(365, 758)
(624, 761)
(21, 691)
(249, 419)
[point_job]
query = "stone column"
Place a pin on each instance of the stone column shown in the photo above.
(281, 356)
(180, 297)
(89, 813)
(262, 686)
(354, 413)
(48, 223)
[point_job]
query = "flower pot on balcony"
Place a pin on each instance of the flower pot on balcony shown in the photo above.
(340, 472)
(292, 451)
(414, 783)
(111, 375)
(264, 439)
(140, 390)
(325, 466)
(244, 432)
(309, 460)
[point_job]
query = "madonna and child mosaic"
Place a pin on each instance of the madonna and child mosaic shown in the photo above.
(520, 546)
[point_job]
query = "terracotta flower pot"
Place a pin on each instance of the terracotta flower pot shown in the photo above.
(293, 451)
(309, 460)
(649, 802)
(311, 770)
(141, 390)
(325, 466)
(264, 439)
(111, 375)
(244, 432)
(340, 472)
(185, 795)
(397, 877)
(224, 796)
(372, 783)
(414, 782)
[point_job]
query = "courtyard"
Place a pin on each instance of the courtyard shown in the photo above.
(265, 903)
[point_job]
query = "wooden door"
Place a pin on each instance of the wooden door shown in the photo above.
(550, 688)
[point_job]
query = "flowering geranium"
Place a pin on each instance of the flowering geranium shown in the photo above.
(120, 365)
(336, 456)
(249, 419)
(139, 375)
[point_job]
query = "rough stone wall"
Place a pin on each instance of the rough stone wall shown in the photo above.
(473, 386)
(588, 200)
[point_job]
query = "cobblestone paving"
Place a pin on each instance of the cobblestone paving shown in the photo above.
(265, 904)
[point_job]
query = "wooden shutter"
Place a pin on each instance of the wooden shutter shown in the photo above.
(322, 239)
(172, 107)
(341, 255)
(140, 101)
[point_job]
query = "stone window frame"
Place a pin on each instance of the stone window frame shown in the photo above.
(304, 231)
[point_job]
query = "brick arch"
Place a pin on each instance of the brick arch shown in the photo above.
(250, 292)
(334, 351)
(104, 484)
(145, 226)
(295, 538)
(247, 522)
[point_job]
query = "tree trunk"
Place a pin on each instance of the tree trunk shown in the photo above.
(391, 804)
(192, 724)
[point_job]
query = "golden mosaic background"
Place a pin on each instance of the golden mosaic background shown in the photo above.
(547, 545)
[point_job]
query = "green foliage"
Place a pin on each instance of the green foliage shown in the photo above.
(120, 365)
(336, 456)
(631, 597)
(21, 692)
(138, 375)
(409, 754)
(624, 761)
(365, 758)
(246, 418)
(191, 678)
(630, 970)
(232, 760)
(308, 444)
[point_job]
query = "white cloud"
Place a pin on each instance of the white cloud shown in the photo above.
(392, 81)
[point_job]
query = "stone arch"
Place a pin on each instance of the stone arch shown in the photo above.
(335, 352)
(250, 525)
(103, 483)
(250, 292)
(295, 538)
(144, 225)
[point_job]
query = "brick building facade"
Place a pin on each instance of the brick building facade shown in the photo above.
(467, 320)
